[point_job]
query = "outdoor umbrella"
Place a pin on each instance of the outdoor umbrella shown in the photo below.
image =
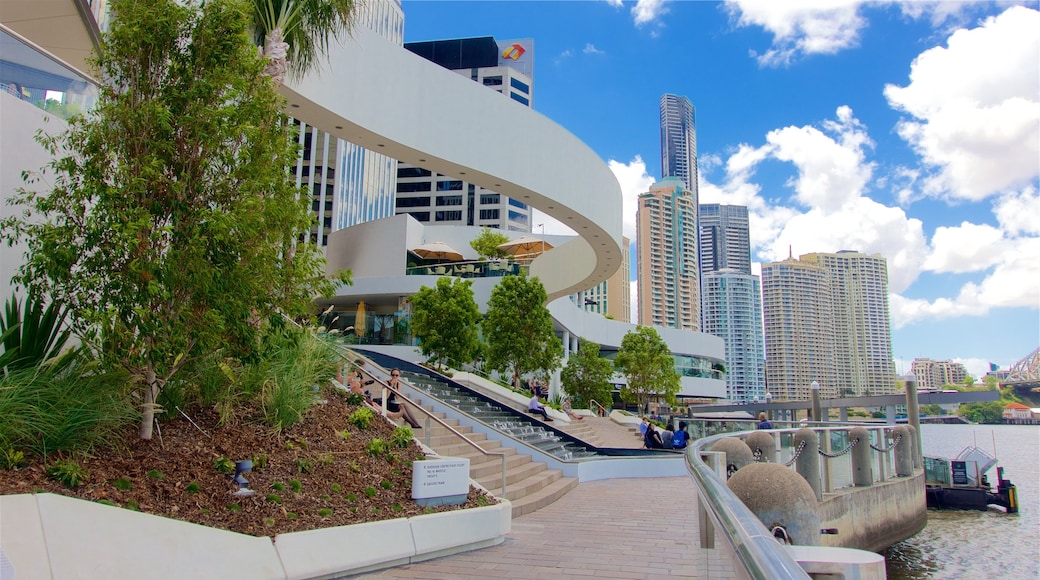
(437, 251)
(359, 319)
(524, 246)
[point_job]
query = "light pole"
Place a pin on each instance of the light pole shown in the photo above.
(816, 415)
(543, 237)
(769, 399)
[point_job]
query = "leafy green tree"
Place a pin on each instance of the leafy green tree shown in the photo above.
(518, 329)
(648, 366)
(445, 319)
(294, 33)
(170, 228)
(586, 376)
(486, 244)
(989, 412)
(991, 382)
(969, 381)
(932, 410)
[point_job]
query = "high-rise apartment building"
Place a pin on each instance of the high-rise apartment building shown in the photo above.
(827, 319)
(725, 237)
(935, 374)
(668, 278)
(679, 141)
(350, 184)
(731, 297)
(503, 66)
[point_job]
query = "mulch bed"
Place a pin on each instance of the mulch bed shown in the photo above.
(317, 474)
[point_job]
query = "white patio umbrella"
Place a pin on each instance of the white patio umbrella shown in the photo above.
(525, 246)
(437, 251)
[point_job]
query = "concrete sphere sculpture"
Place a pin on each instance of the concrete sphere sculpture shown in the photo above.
(778, 496)
(762, 444)
(738, 454)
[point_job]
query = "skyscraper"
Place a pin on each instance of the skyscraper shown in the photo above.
(826, 319)
(679, 141)
(503, 66)
(668, 278)
(731, 297)
(350, 184)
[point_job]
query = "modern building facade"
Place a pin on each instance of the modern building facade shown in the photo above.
(350, 184)
(679, 141)
(828, 312)
(725, 238)
(430, 197)
(613, 297)
(934, 374)
(668, 275)
(732, 310)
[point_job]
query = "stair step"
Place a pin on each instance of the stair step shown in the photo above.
(493, 466)
(526, 486)
(543, 497)
(515, 474)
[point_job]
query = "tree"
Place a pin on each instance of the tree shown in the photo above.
(487, 243)
(647, 363)
(445, 320)
(171, 224)
(586, 376)
(989, 412)
(991, 382)
(969, 381)
(293, 33)
(518, 329)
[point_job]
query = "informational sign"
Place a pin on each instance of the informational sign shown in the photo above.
(442, 481)
(960, 472)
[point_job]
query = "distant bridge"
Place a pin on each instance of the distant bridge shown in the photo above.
(1025, 374)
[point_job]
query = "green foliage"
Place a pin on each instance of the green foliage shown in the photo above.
(486, 244)
(648, 366)
(260, 461)
(351, 497)
(518, 329)
(586, 376)
(445, 320)
(192, 487)
(932, 410)
(295, 485)
(990, 412)
(234, 507)
(278, 486)
(67, 472)
(336, 488)
(12, 460)
(343, 434)
(396, 507)
(370, 491)
(274, 498)
(386, 484)
(156, 474)
(224, 465)
(402, 436)
(361, 418)
(376, 447)
(76, 407)
(304, 465)
(170, 224)
(355, 398)
(324, 512)
(325, 459)
(32, 335)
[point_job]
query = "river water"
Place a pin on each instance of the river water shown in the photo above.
(975, 544)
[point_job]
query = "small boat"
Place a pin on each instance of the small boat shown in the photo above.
(961, 482)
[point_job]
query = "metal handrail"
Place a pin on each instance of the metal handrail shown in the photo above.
(604, 409)
(430, 416)
(759, 552)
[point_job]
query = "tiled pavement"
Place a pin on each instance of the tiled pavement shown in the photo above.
(620, 528)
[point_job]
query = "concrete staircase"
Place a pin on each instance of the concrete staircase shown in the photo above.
(530, 485)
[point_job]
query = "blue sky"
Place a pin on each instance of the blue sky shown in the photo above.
(908, 129)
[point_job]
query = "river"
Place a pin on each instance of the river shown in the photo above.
(974, 544)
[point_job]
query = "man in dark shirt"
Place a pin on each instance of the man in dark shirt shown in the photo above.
(652, 437)
(763, 422)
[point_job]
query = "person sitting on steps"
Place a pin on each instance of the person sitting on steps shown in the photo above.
(394, 409)
(536, 408)
(570, 412)
(652, 438)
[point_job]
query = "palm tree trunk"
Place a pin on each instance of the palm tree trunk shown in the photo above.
(276, 51)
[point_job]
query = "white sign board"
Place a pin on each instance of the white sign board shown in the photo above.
(440, 481)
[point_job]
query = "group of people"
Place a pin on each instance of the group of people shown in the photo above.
(652, 436)
(357, 382)
(536, 407)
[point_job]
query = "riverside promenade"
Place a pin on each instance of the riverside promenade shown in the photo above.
(638, 528)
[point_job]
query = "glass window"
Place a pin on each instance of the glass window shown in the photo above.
(492, 81)
(412, 172)
(520, 86)
(489, 199)
(516, 203)
(413, 201)
(448, 216)
(522, 100)
(449, 186)
(489, 214)
(515, 216)
(449, 200)
(412, 187)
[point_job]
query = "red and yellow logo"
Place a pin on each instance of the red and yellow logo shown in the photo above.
(514, 52)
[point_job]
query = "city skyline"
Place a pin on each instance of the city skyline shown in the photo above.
(904, 129)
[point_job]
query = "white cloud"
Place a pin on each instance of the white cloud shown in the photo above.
(591, 49)
(965, 248)
(1017, 212)
(976, 367)
(974, 107)
(634, 180)
(648, 11)
(831, 173)
(801, 27)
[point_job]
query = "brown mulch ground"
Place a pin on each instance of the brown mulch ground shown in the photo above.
(313, 476)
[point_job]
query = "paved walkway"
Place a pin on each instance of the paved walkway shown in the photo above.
(620, 528)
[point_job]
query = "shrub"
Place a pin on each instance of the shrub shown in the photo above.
(370, 491)
(386, 484)
(224, 465)
(361, 418)
(68, 473)
(355, 398)
(325, 459)
(296, 485)
(155, 474)
(260, 461)
(376, 447)
(304, 465)
(274, 498)
(344, 434)
(122, 484)
(278, 486)
(402, 436)
(325, 512)
(192, 487)
(12, 460)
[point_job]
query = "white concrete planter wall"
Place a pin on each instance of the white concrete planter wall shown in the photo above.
(47, 536)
